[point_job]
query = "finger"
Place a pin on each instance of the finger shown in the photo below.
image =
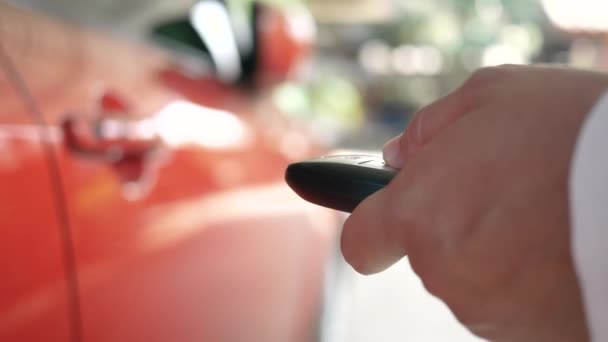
(425, 125)
(372, 240)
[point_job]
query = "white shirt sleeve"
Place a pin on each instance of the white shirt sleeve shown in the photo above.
(589, 217)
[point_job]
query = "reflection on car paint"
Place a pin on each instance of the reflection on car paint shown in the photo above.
(182, 123)
(169, 224)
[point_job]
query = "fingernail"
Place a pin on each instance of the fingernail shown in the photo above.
(391, 152)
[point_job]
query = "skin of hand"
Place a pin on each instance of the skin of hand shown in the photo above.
(480, 204)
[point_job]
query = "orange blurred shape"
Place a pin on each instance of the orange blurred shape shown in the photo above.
(287, 36)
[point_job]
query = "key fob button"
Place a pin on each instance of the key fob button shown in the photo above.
(372, 162)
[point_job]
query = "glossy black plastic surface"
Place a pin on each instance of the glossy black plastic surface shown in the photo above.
(339, 182)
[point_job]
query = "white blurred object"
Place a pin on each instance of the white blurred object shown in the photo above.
(182, 123)
(353, 11)
(489, 10)
(502, 54)
(211, 21)
(417, 60)
(581, 15)
(377, 57)
(393, 306)
(374, 56)
(584, 53)
(588, 196)
(301, 24)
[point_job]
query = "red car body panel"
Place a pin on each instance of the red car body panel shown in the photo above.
(207, 245)
(33, 287)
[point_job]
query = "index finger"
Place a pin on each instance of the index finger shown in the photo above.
(431, 120)
(425, 125)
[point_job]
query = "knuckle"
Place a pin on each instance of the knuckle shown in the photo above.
(509, 66)
(407, 136)
(410, 135)
(415, 133)
(483, 77)
(477, 88)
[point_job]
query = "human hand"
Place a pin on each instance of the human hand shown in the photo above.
(481, 206)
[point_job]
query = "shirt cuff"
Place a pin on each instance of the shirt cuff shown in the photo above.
(589, 217)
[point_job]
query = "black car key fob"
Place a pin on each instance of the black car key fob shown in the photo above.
(339, 182)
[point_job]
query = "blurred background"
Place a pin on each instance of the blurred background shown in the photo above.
(375, 62)
(353, 72)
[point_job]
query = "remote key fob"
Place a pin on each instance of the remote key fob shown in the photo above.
(339, 182)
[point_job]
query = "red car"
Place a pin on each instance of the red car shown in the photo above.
(133, 211)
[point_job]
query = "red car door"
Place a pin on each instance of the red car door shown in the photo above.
(37, 297)
(196, 240)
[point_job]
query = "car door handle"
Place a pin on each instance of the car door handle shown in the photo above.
(108, 139)
(109, 135)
